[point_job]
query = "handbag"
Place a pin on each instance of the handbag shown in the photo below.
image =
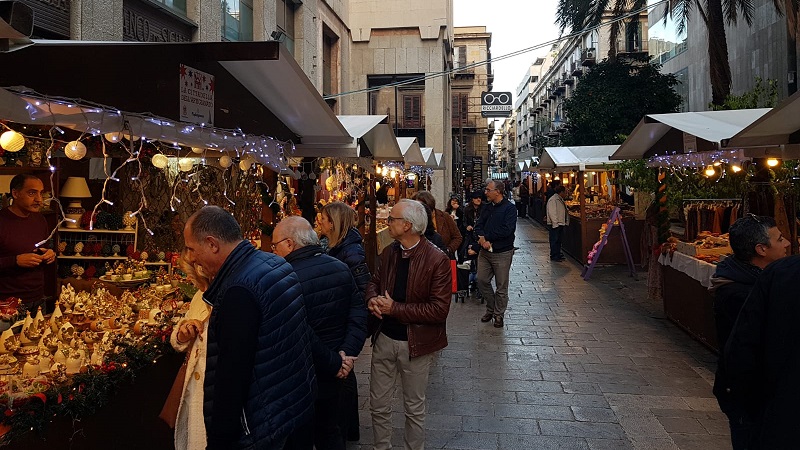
(454, 272)
(169, 413)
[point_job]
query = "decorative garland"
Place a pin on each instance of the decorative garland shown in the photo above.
(84, 393)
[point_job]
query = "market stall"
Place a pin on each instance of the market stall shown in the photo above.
(592, 202)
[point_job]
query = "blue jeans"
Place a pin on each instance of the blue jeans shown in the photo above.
(556, 237)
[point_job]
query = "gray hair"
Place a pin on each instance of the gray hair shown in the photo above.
(299, 230)
(748, 232)
(215, 221)
(497, 184)
(414, 213)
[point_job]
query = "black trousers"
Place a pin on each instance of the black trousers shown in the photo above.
(556, 237)
(323, 432)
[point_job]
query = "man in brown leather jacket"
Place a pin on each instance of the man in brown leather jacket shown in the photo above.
(410, 293)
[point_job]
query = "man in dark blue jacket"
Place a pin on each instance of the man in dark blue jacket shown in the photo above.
(260, 383)
(756, 242)
(337, 314)
(495, 230)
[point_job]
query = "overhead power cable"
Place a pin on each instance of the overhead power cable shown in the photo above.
(501, 57)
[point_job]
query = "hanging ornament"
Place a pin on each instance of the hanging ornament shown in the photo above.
(113, 137)
(312, 176)
(160, 161)
(12, 141)
(198, 150)
(225, 161)
(246, 162)
(75, 150)
(185, 164)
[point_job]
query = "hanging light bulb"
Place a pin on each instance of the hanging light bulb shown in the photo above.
(75, 150)
(556, 178)
(11, 141)
(225, 161)
(547, 175)
(185, 164)
(113, 137)
(710, 171)
(385, 171)
(198, 150)
(392, 173)
(772, 162)
(129, 136)
(736, 168)
(160, 161)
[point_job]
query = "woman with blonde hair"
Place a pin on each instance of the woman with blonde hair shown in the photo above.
(337, 223)
(190, 335)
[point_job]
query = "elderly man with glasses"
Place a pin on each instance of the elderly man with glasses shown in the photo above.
(410, 294)
(496, 230)
(336, 312)
(22, 229)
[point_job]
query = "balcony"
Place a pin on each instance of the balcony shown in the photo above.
(589, 57)
(576, 69)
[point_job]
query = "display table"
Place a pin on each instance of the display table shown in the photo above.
(687, 301)
(580, 238)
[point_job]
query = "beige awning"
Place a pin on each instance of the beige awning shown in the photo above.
(780, 128)
(412, 154)
(577, 158)
(667, 134)
(373, 131)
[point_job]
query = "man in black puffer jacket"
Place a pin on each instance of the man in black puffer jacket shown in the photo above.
(260, 383)
(756, 242)
(337, 315)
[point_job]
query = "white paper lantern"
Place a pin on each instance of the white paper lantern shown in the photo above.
(160, 161)
(12, 141)
(75, 150)
(113, 137)
(198, 150)
(131, 137)
(225, 161)
(185, 164)
(246, 162)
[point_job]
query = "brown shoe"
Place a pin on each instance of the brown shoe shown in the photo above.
(486, 317)
(498, 321)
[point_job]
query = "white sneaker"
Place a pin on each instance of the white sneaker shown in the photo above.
(466, 265)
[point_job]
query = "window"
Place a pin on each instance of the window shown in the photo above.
(237, 20)
(460, 56)
(459, 109)
(329, 61)
(412, 111)
(175, 5)
(633, 36)
(284, 20)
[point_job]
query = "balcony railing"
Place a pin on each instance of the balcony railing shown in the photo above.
(589, 56)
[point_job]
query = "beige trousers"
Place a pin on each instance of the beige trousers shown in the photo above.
(390, 358)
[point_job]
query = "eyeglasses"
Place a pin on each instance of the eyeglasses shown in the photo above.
(391, 219)
(491, 189)
(275, 244)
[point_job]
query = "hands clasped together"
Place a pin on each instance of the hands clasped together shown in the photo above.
(380, 305)
(30, 260)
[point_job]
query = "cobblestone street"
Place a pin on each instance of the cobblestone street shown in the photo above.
(578, 365)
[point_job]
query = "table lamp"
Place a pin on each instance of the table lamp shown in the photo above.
(75, 189)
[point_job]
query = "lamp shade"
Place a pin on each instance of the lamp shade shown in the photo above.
(76, 187)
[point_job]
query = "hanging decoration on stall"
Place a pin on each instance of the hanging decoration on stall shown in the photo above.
(615, 220)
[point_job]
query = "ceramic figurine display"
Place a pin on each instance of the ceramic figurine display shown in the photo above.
(78, 248)
(129, 220)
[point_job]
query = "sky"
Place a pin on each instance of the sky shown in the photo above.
(515, 25)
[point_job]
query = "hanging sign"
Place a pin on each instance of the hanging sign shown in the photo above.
(496, 104)
(689, 143)
(196, 96)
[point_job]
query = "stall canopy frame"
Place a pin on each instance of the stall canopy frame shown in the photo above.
(372, 131)
(412, 154)
(572, 158)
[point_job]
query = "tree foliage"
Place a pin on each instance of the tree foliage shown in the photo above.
(613, 97)
(763, 95)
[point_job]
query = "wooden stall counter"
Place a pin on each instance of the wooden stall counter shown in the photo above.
(580, 237)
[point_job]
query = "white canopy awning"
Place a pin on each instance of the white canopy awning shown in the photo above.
(577, 158)
(779, 127)
(430, 158)
(663, 134)
(412, 154)
(373, 130)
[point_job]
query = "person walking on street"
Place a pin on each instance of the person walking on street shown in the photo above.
(496, 230)
(336, 312)
(443, 223)
(557, 220)
(260, 382)
(410, 294)
(756, 242)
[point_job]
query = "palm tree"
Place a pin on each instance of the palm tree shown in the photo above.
(579, 14)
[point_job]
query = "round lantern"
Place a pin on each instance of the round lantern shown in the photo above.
(12, 141)
(246, 163)
(75, 150)
(198, 150)
(129, 136)
(160, 161)
(185, 164)
(225, 161)
(113, 137)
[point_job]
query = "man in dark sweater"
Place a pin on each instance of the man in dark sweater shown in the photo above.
(337, 314)
(495, 230)
(756, 242)
(22, 253)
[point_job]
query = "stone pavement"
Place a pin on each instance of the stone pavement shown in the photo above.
(578, 365)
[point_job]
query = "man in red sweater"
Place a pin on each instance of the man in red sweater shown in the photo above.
(21, 228)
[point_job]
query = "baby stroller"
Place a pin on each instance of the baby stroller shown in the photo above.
(468, 268)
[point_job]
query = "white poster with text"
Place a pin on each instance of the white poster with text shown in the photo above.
(197, 96)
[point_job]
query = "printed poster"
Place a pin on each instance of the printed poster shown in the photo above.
(196, 96)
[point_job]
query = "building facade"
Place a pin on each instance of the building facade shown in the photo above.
(470, 78)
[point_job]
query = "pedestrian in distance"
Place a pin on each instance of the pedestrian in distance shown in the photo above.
(259, 381)
(756, 242)
(443, 223)
(557, 219)
(410, 294)
(337, 315)
(495, 228)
